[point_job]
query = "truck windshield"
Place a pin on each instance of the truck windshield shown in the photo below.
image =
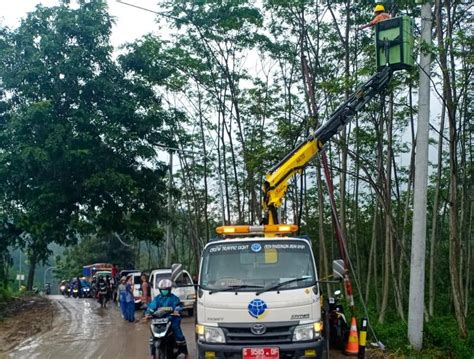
(263, 263)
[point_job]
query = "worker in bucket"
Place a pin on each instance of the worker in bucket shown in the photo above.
(380, 15)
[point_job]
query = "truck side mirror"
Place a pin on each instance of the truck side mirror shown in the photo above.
(176, 272)
(338, 268)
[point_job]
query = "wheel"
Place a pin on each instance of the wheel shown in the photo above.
(326, 333)
(161, 354)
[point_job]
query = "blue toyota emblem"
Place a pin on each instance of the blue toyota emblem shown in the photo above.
(257, 308)
(256, 247)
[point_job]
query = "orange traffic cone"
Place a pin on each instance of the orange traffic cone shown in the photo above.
(352, 347)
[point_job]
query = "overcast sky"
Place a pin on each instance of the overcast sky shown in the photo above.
(131, 23)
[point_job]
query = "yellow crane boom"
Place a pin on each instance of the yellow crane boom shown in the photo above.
(276, 180)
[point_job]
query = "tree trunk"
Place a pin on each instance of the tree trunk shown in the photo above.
(386, 268)
(226, 176)
(31, 271)
(450, 102)
(371, 263)
(408, 198)
(323, 259)
(389, 223)
(434, 221)
(454, 245)
(204, 152)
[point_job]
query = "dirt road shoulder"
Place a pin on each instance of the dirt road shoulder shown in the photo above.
(22, 318)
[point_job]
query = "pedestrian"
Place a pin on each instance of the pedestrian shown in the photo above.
(379, 15)
(122, 295)
(129, 301)
(115, 271)
(79, 287)
(146, 295)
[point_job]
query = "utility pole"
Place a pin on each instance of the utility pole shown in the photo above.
(416, 300)
(19, 280)
(168, 227)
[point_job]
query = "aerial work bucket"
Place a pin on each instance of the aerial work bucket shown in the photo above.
(394, 43)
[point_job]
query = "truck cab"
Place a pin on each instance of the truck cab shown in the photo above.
(258, 297)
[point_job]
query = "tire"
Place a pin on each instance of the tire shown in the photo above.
(326, 334)
(159, 352)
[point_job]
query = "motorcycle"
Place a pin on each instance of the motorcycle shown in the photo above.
(162, 340)
(75, 293)
(102, 295)
(86, 292)
(338, 327)
(47, 289)
(62, 289)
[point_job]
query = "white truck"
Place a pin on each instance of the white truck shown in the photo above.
(258, 297)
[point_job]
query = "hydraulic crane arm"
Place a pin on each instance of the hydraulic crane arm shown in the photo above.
(276, 181)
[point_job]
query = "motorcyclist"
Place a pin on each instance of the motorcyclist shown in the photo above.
(166, 299)
(63, 287)
(79, 287)
(102, 291)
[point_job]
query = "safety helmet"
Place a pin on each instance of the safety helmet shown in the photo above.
(165, 284)
(379, 8)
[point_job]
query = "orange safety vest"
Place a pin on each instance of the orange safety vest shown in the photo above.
(380, 17)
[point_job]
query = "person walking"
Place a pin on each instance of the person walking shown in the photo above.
(122, 295)
(379, 15)
(146, 295)
(129, 301)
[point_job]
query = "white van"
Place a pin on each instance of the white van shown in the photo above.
(183, 288)
(137, 288)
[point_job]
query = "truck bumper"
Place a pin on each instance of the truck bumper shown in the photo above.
(287, 351)
(188, 304)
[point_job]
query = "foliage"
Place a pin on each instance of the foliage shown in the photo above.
(77, 136)
(106, 249)
(441, 339)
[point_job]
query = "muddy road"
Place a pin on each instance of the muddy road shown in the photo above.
(81, 329)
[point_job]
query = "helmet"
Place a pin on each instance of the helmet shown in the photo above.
(379, 7)
(165, 284)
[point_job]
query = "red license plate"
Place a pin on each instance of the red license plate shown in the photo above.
(261, 353)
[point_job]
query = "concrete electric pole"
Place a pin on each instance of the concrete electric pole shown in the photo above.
(416, 300)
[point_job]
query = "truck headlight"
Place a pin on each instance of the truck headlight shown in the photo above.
(303, 332)
(308, 332)
(210, 334)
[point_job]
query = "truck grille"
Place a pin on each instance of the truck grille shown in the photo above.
(275, 333)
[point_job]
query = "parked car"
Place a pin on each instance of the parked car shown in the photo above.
(183, 288)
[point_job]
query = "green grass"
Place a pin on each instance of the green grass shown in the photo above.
(440, 339)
